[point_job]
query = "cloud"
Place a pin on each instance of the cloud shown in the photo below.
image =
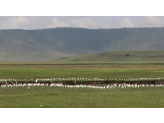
(56, 22)
(37, 22)
(126, 23)
(95, 22)
(14, 22)
(134, 21)
(151, 21)
(84, 22)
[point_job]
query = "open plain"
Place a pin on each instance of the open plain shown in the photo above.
(88, 70)
(64, 97)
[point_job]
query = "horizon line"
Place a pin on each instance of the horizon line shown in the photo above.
(83, 28)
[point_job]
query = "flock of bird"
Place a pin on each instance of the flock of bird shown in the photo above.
(83, 79)
(38, 82)
(111, 86)
(99, 79)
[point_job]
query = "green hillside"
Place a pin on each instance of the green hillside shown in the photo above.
(117, 56)
(46, 44)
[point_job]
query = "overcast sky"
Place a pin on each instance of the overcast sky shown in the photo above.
(94, 22)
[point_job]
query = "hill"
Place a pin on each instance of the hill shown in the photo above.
(117, 56)
(46, 44)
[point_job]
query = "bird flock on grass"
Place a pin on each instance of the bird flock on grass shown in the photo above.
(109, 86)
(38, 82)
(83, 79)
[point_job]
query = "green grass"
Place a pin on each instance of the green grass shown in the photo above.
(86, 71)
(116, 56)
(58, 97)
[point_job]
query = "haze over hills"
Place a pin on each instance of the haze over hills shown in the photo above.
(47, 44)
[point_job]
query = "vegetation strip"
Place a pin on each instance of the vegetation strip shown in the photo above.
(101, 63)
(66, 97)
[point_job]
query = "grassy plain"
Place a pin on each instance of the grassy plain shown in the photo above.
(58, 97)
(82, 71)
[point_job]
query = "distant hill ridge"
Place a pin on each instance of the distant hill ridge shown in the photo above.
(46, 44)
(117, 56)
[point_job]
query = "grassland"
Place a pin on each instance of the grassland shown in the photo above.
(54, 97)
(86, 71)
(116, 57)
(58, 97)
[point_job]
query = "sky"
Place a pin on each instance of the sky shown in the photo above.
(91, 22)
